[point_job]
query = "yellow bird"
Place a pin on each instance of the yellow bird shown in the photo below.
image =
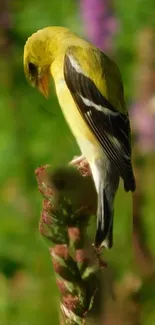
(90, 92)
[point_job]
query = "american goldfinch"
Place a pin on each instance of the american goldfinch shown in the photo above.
(90, 92)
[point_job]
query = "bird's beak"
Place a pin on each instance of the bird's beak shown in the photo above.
(43, 85)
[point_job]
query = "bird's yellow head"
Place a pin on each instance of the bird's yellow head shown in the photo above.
(39, 53)
(37, 61)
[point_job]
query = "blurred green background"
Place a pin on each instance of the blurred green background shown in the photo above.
(33, 132)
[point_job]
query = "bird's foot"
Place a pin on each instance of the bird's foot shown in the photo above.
(82, 165)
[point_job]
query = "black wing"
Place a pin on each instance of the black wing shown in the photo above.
(111, 128)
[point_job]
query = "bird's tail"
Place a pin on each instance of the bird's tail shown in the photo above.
(131, 184)
(105, 212)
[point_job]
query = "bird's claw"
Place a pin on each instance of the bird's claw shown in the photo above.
(82, 165)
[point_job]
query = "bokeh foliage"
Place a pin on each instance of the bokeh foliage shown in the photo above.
(33, 132)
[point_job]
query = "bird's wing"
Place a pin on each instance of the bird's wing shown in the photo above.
(111, 128)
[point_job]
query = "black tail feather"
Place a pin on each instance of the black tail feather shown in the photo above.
(105, 213)
(104, 233)
(130, 185)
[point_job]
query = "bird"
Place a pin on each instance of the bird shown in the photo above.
(90, 92)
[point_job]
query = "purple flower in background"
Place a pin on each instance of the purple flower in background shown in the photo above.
(99, 22)
(143, 112)
(143, 121)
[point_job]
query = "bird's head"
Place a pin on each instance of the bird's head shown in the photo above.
(37, 61)
(39, 53)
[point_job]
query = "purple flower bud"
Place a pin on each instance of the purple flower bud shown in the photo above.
(99, 22)
(143, 121)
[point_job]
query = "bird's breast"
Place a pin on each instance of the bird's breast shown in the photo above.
(84, 136)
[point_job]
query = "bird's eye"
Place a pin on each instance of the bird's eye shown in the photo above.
(32, 69)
